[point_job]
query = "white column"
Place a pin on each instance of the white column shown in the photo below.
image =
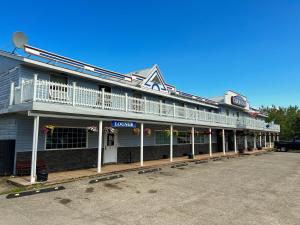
(223, 140)
(142, 144)
(246, 142)
(193, 141)
(260, 140)
(126, 102)
(34, 86)
(74, 94)
(235, 144)
(103, 98)
(210, 144)
(254, 142)
(265, 140)
(270, 141)
(171, 143)
(99, 147)
(12, 93)
(278, 137)
(34, 148)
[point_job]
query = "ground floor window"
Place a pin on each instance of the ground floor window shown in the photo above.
(183, 137)
(66, 138)
(199, 139)
(162, 137)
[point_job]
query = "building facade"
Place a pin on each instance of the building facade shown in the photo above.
(72, 115)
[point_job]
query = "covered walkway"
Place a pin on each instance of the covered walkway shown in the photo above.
(67, 176)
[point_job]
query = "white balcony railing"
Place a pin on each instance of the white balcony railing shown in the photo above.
(51, 92)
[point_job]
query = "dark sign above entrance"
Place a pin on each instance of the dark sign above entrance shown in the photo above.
(123, 124)
(238, 101)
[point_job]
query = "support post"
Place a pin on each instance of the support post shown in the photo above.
(12, 93)
(142, 145)
(265, 140)
(21, 91)
(103, 98)
(34, 148)
(254, 141)
(210, 144)
(145, 105)
(160, 107)
(193, 141)
(126, 102)
(235, 143)
(260, 140)
(74, 94)
(99, 147)
(223, 140)
(34, 86)
(277, 137)
(171, 143)
(174, 110)
(270, 141)
(246, 142)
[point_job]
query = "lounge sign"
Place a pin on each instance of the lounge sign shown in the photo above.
(239, 101)
(123, 124)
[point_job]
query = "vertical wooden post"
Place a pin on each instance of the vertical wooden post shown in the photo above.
(210, 143)
(142, 144)
(34, 148)
(174, 110)
(260, 140)
(103, 98)
(193, 141)
(235, 142)
(34, 87)
(12, 93)
(223, 140)
(99, 147)
(171, 143)
(74, 94)
(126, 102)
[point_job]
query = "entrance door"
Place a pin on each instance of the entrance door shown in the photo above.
(7, 155)
(110, 148)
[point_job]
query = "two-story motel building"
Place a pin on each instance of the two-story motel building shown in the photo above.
(74, 115)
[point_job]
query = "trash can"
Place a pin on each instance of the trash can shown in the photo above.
(42, 176)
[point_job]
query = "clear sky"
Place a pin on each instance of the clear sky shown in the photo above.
(202, 47)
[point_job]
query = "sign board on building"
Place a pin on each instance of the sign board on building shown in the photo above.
(123, 124)
(238, 101)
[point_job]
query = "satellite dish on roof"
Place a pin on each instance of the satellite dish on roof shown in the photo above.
(19, 39)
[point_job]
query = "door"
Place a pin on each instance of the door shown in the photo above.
(110, 148)
(7, 156)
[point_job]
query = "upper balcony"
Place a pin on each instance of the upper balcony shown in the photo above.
(124, 106)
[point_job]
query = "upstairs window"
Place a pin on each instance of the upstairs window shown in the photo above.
(61, 79)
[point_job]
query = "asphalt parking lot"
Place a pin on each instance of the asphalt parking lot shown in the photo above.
(262, 189)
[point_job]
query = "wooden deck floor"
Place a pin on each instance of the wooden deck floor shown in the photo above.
(66, 176)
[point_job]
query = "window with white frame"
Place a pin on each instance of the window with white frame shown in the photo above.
(67, 138)
(183, 137)
(162, 137)
(199, 139)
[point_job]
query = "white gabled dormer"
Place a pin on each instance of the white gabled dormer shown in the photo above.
(154, 80)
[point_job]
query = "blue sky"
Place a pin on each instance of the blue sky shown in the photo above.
(202, 47)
